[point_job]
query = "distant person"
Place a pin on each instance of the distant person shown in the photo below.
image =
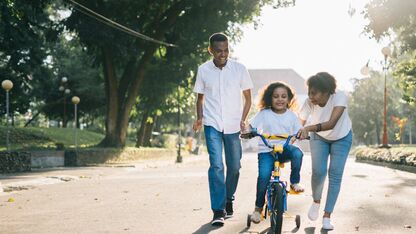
(220, 83)
(275, 117)
(330, 140)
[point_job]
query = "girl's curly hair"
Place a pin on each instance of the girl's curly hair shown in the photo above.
(267, 93)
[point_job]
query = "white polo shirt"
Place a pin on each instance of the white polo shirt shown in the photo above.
(222, 90)
(319, 114)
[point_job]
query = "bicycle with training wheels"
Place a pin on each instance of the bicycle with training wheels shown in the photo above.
(276, 194)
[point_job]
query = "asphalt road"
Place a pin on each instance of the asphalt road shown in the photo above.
(164, 197)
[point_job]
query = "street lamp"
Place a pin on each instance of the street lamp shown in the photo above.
(7, 86)
(63, 88)
(75, 100)
(179, 156)
(387, 53)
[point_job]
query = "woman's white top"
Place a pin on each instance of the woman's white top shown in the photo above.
(267, 121)
(317, 114)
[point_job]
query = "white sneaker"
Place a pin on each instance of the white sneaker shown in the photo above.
(314, 211)
(326, 224)
(256, 217)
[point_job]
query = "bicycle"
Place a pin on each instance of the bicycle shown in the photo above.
(276, 194)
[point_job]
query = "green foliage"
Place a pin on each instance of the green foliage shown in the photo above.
(405, 73)
(30, 138)
(25, 28)
(366, 108)
(135, 67)
(398, 16)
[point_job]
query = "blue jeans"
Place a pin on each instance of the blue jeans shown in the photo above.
(322, 150)
(266, 166)
(222, 189)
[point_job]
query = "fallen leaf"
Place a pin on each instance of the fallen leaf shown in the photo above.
(407, 226)
(10, 200)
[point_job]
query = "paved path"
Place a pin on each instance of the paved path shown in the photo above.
(163, 197)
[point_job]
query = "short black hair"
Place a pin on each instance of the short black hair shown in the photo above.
(217, 37)
(323, 82)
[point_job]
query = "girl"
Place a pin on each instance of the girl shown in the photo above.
(331, 138)
(275, 117)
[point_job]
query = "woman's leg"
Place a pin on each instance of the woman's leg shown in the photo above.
(265, 163)
(319, 154)
(338, 156)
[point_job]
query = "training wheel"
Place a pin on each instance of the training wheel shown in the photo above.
(248, 221)
(297, 220)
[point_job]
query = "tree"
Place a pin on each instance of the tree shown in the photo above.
(125, 59)
(397, 17)
(25, 28)
(366, 108)
(68, 59)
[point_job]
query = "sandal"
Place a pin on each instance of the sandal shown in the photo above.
(297, 188)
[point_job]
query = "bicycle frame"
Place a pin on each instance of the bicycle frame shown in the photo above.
(277, 151)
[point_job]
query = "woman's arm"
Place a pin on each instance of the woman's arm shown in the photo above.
(324, 126)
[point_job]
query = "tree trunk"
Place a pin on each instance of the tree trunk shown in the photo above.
(121, 96)
(148, 132)
(140, 132)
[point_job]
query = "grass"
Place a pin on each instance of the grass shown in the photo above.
(46, 138)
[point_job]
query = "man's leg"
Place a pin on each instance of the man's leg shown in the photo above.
(233, 152)
(216, 170)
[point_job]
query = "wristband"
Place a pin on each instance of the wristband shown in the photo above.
(318, 127)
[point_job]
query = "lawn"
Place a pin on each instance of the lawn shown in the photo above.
(43, 138)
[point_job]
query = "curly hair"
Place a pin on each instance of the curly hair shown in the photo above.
(323, 82)
(266, 94)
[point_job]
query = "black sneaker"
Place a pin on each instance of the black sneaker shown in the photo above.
(218, 219)
(229, 209)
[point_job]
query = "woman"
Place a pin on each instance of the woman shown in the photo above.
(330, 138)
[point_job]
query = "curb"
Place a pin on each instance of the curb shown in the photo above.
(407, 168)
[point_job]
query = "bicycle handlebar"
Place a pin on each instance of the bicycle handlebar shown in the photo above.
(253, 133)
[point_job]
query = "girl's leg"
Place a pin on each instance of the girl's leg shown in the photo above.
(266, 161)
(339, 153)
(295, 155)
(319, 154)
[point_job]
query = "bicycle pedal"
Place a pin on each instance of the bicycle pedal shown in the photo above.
(293, 192)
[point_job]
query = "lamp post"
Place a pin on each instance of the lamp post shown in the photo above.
(63, 88)
(179, 156)
(387, 53)
(7, 86)
(75, 100)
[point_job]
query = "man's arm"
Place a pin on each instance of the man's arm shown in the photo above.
(198, 123)
(246, 109)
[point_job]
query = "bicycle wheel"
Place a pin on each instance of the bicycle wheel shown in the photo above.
(276, 218)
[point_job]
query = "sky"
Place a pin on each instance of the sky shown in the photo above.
(310, 37)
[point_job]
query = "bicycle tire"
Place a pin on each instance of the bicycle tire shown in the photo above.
(276, 219)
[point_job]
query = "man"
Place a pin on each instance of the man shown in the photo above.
(219, 85)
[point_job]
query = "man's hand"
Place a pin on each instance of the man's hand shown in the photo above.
(243, 127)
(197, 125)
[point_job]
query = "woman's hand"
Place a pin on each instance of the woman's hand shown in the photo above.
(302, 134)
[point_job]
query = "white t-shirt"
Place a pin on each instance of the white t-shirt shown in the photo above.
(267, 121)
(319, 114)
(222, 90)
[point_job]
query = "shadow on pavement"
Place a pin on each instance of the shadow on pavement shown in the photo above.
(206, 228)
(311, 230)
